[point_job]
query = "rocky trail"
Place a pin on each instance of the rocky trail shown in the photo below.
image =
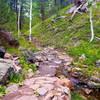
(54, 79)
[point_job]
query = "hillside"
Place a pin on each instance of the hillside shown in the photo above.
(73, 36)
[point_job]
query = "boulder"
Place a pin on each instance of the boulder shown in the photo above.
(12, 88)
(8, 56)
(98, 63)
(2, 52)
(8, 38)
(6, 67)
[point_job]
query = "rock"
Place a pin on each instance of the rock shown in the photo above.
(42, 91)
(6, 67)
(76, 69)
(98, 63)
(8, 38)
(87, 91)
(82, 57)
(95, 79)
(30, 73)
(47, 70)
(7, 56)
(12, 88)
(35, 86)
(76, 74)
(2, 52)
(93, 84)
(65, 82)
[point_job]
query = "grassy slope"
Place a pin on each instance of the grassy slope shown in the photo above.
(72, 37)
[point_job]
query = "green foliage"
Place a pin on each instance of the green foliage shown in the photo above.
(15, 78)
(77, 96)
(2, 90)
(89, 50)
(27, 66)
(91, 3)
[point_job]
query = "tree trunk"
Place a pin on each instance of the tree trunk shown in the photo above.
(42, 10)
(18, 22)
(91, 22)
(30, 24)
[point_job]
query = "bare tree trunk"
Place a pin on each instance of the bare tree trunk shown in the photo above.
(30, 24)
(18, 23)
(91, 22)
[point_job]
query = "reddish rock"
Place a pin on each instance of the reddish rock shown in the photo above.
(65, 82)
(7, 56)
(87, 91)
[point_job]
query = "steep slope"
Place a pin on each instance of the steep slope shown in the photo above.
(73, 36)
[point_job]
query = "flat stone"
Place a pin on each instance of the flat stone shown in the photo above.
(98, 63)
(12, 88)
(24, 97)
(48, 86)
(42, 91)
(45, 70)
(35, 86)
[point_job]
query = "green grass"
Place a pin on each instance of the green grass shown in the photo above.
(77, 96)
(15, 78)
(25, 64)
(73, 36)
(2, 90)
